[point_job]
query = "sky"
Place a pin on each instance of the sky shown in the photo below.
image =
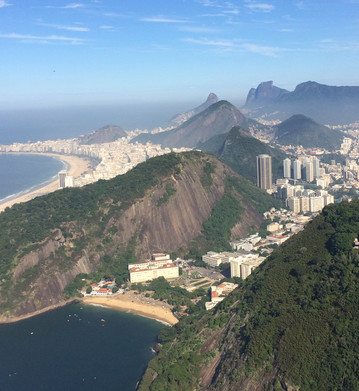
(59, 53)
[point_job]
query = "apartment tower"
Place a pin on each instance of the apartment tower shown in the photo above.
(264, 172)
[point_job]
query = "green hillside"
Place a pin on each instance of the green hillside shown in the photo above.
(292, 325)
(301, 130)
(58, 240)
(238, 149)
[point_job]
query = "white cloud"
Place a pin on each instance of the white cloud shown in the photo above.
(163, 20)
(37, 38)
(197, 29)
(263, 7)
(208, 42)
(67, 6)
(3, 3)
(68, 28)
(106, 27)
(268, 51)
(74, 5)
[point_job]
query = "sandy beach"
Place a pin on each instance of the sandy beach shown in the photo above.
(124, 302)
(76, 167)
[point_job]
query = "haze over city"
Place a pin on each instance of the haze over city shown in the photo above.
(61, 53)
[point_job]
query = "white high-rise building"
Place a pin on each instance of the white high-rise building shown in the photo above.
(69, 181)
(62, 177)
(316, 167)
(309, 174)
(294, 204)
(286, 168)
(297, 169)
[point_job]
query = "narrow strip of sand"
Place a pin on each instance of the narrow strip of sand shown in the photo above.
(121, 302)
(76, 167)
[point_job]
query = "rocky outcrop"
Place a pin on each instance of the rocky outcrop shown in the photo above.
(44, 250)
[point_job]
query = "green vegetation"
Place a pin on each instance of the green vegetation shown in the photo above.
(208, 171)
(169, 192)
(239, 149)
(226, 213)
(175, 296)
(293, 321)
(302, 130)
(81, 216)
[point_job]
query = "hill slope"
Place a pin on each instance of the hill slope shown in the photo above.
(217, 119)
(238, 149)
(292, 325)
(325, 104)
(160, 205)
(178, 119)
(107, 134)
(301, 130)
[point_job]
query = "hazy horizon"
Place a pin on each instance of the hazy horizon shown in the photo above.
(61, 53)
(38, 124)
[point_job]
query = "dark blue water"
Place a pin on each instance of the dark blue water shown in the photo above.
(72, 349)
(20, 173)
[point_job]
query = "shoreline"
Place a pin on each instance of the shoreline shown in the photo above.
(75, 166)
(124, 303)
(119, 302)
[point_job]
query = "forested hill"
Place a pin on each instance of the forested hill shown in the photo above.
(239, 149)
(50, 245)
(292, 325)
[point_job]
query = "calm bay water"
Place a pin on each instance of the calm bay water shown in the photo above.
(21, 172)
(76, 348)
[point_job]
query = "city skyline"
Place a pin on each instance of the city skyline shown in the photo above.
(62, 53)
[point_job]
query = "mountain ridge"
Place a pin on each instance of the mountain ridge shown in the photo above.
(178, 119)
(333, 105)
(218, 118)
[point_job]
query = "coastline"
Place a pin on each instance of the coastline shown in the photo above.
(76, 166)
(123, 302)
(119, 302)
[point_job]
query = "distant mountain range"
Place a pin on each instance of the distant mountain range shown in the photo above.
(301, 130)
(238, 149)
(179, 119)
(217, 119)
(107, 134)
(325, 104)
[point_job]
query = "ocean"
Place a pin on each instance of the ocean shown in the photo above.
(70, 122)
(76, 348)
(20, 173)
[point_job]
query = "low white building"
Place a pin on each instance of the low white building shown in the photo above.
(160, 265)
(219, 293)
(243, 265)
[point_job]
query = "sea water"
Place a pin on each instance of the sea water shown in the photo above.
(76, 348)
(20, 173)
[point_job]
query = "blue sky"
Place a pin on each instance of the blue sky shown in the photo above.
(56, 53)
